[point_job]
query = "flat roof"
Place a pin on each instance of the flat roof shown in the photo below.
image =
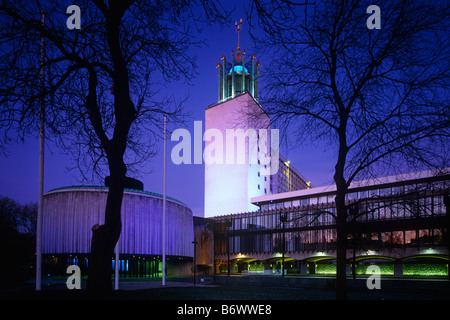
(105, 188)
(398, 179)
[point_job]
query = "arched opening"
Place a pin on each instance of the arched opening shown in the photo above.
(426, 265)
(321, 264)
(386, 265)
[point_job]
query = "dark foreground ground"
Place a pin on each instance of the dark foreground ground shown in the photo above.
(222, 293)
(239, 288)
(231, 298)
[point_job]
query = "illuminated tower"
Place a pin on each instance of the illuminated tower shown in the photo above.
(235, 122)
(232, 122)
(239, 75)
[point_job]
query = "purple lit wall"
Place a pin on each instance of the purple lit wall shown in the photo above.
(71, 212)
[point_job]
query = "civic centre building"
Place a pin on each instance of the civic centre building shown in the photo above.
(254, 222)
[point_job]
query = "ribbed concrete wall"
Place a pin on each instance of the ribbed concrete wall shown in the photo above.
(70, 213)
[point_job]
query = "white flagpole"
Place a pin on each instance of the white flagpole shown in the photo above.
(41, 170)
(164, 211)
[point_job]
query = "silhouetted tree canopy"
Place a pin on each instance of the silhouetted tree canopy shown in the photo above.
(377, 97)
(100, 91)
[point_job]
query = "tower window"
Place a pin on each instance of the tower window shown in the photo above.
(239, 68)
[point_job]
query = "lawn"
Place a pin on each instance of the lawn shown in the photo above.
(151, 289)
(179, 293)
(254, 293)
(227, 293)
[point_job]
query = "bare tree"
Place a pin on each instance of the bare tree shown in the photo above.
(101, 87)
(379, 97)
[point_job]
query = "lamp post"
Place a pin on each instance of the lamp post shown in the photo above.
(283, 219)
(228, 224)
(164, 206)
(195, 256)
(353, 211)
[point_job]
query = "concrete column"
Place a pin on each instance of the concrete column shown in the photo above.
(312, 268)
(348, 269)
(303, 267)
(233, 88)
(267, 268)
(398, 269)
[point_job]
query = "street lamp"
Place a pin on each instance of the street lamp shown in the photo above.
(283, 219)
(195, 258)
(228, 223)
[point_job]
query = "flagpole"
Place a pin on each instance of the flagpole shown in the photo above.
(164, 210)
(41, 169)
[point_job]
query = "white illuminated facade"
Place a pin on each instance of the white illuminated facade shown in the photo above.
(229, 185)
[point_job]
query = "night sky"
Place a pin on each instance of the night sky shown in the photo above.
(19, 171)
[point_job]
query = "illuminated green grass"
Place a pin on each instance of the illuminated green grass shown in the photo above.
(409, 269)
(425, 269)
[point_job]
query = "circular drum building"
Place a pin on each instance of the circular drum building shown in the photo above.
(70, 212)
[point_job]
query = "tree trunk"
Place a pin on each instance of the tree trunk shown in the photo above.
(104, 237)
(99, 277)
(341, 259)
(341, 215)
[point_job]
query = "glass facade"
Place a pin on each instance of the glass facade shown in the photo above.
(401, 215)
(287, 178)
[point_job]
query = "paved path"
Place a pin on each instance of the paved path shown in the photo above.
(59, 283)
(142, 284)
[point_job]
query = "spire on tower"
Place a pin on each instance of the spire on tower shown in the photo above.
(238, 30)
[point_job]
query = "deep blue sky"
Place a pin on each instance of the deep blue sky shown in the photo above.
(19, 172)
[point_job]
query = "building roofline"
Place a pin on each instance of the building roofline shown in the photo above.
(398, 179)
(215, 104)
(105, 189)
(292, 167)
